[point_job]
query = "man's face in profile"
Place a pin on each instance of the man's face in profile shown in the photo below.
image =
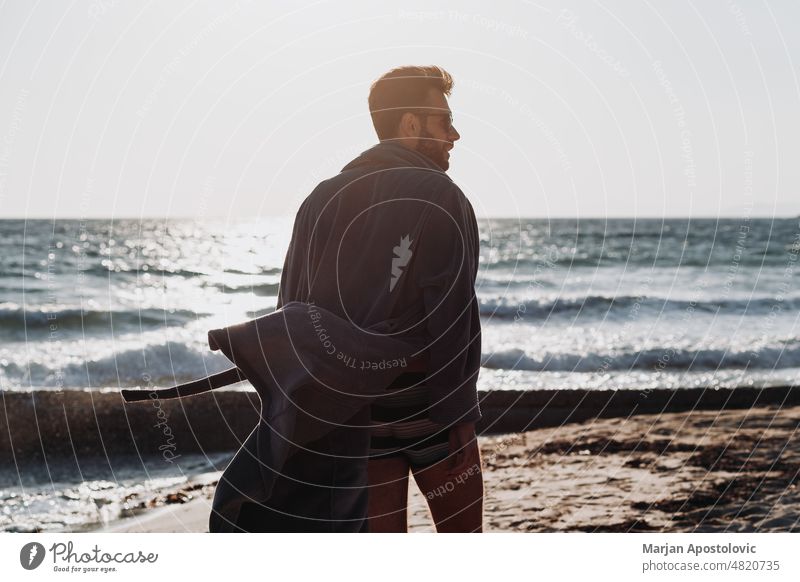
(438, 134)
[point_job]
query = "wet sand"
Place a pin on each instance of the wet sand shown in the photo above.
(701, 471)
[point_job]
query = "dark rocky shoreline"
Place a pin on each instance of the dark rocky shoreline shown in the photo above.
(44, 423)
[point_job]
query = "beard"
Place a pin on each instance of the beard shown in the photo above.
(433, 148)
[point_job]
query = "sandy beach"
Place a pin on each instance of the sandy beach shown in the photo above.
(699, 471)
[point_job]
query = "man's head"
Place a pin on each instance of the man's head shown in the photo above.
(409, 106)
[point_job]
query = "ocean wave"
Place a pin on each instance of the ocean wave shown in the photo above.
(258, 289)
(626, 305)
(620, 256)
(785, 355)
(152, 365)
(112, 267)
(259, 312)
(264, 271)
(19, 323)
(518, 280)
(175, 362)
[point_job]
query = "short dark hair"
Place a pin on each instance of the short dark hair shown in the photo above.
(401, 89)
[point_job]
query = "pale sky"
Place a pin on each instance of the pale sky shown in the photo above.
(116, 108)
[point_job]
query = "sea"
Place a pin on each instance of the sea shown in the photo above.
(596, 304)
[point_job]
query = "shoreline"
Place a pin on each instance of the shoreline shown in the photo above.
(82, 424)
(690, 471)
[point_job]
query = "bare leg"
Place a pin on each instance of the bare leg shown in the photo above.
(455, 498)
(388, 495)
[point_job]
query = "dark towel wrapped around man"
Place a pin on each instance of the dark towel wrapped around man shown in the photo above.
(378, 281)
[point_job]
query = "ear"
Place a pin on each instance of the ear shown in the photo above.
(409, 125)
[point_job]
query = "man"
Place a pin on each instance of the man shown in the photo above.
(391, 244)
(436, 457)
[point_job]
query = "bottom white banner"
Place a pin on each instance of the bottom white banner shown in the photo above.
(353, 557)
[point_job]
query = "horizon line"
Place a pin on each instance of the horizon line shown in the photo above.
(481, 217)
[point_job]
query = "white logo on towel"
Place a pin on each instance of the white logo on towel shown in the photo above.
(402, 256)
